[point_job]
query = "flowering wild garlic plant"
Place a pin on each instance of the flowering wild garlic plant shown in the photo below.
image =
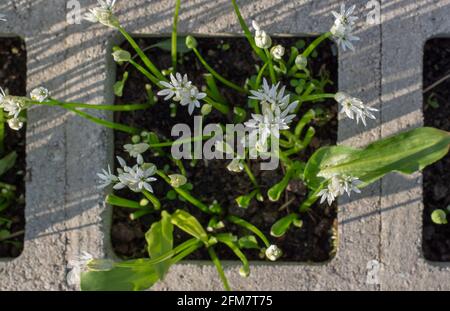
(272, 117)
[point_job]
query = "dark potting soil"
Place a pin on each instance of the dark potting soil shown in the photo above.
(436, 177)
(13, 81)
(233, 58)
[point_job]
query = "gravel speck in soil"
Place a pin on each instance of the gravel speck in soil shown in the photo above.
(13, 81)
(436, 177)
(210, 179)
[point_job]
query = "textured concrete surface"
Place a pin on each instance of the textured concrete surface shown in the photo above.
(406, 27)
(63, 206)
(379, 245)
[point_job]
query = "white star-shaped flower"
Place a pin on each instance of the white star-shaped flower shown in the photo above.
(107, 178)
(343, 27)
(338, 185)
(181, 90)
(103, 14)
(354, 108)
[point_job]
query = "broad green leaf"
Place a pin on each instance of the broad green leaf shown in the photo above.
(406, 152)
(282, 225)
(166, 45)
(189, 224)
(138, 277)
(160, 241)
(7, 162)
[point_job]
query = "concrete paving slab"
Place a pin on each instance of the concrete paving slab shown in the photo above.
(379, 230)
(406, 26)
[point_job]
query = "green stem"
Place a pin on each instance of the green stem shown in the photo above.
(152, 198)
(108, 124)
(307, 117)
(312, 198)
(145, 72)
(146, 262)
(219, 268)
(184, 253)
(186, 195)
(174, 36)
(260, 74)
(127, 107)
(139, 213)
(247, 32)
(245, 224)
(180, 166)
(315, 97)
(220, 107)
(217, 75)
(142, 55)
(271, 70)
(250, 175)
(315, 43)
(180, 142)
(237, 252)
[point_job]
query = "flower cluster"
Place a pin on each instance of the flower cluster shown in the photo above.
(343, 27)
(103, 14)
(354, 107)
(182, 90)
(137, 178)
(338, 185)
(277, 114)
(13, 105)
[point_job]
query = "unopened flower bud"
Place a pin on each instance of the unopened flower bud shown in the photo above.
(301, 62)
(177, 180)
(39, 94)
(191, 42)
(206, 109)
(121, 56)
(235, 166)
(136, 139)
(15, 124)
(277, 52)
(273, 252)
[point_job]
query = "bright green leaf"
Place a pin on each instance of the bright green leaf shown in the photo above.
(137, 277)
(189, 224)
(282, 225)
(406, 152)
(160, 241)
